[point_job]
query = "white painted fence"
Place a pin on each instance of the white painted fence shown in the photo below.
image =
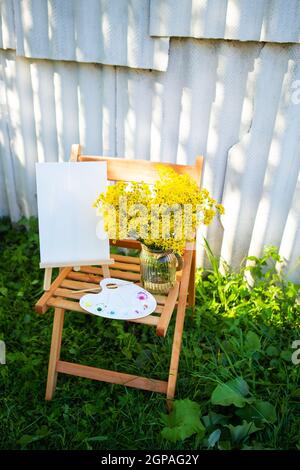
(163, 80)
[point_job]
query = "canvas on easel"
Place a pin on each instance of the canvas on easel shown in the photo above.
(68, 223)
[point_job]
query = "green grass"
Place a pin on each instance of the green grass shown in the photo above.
(235, 332)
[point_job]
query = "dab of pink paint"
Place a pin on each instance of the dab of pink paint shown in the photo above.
(142, 295)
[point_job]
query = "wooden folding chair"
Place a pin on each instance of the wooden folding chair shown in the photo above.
(63, 293)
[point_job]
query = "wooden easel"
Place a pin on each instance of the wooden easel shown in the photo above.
(65, 291)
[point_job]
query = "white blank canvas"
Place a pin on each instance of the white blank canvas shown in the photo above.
(67, 221)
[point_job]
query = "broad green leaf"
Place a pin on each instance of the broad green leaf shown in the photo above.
(26, 439)
(259, 411)
(42, 431)
(183, 421)
(214, 437)
(274, 363)
(286, 355)
(225, 445)
(240, 432)
(232, 392)
(96, 439)
(89, 409)
(272, 351)
(214, 418)
(296, 393)
(252, 342)
(256, 446)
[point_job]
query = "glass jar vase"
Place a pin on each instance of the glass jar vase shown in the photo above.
(158, 269)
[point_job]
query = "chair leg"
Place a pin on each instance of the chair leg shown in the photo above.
(192, 282)
(176, 347)
(186, 279)
(58, 324)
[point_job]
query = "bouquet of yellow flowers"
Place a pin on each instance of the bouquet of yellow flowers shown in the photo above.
(163, 216)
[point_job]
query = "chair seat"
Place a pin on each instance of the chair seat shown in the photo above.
(63, 292)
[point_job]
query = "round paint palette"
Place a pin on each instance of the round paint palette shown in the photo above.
(120, 300)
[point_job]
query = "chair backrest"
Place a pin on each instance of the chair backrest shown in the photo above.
(123, 169)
